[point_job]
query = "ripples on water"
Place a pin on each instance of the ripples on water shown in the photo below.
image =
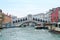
(27, 33)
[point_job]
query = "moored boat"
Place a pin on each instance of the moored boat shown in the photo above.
(56, 29)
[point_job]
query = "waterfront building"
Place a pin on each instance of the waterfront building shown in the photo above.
(48, 19)
(54, 15)
(7, 20)
(14, 18)
(1, 18)
(48, 16)
(40, 16)
(55, 19)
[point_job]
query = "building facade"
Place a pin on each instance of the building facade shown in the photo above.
(58, 14)
(14, 20)
(54, 15)
(7, 21)
(40, 16)
(1, 18)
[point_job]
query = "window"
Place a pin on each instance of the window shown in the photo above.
(18, 20)
(41, 20)
(56, 25)
(21, 20)
(59, 25)
(38, 20)
(26, 18)
(46, 21)
(13, 22)
(33, 19)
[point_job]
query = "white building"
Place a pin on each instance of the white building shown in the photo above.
(41, 16)
(48, 16)
(13, 18)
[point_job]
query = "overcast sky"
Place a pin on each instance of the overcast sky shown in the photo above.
(21, 8)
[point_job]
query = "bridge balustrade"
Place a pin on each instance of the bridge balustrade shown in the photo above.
(21, 21)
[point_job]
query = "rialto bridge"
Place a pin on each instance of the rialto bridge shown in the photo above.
(28, 21)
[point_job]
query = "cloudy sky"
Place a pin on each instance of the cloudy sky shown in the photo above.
(22, 8)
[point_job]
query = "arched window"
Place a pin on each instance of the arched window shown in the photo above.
(16, 21)
(21, 20)
(41, 20)
(33, 18)
(46, 21)
(26, 18)
(38, 20)
(13, 22)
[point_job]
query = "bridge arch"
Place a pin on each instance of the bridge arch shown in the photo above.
(27, 20)
(28, 23)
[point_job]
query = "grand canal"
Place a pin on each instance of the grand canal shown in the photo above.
(27, 33)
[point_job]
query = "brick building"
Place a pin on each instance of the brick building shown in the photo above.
(54, 15)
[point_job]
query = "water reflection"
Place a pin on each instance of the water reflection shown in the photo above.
(27, 33)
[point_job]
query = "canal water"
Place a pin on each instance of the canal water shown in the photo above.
(27, 33)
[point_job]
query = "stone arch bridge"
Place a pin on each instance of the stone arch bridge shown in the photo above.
(26, 21)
